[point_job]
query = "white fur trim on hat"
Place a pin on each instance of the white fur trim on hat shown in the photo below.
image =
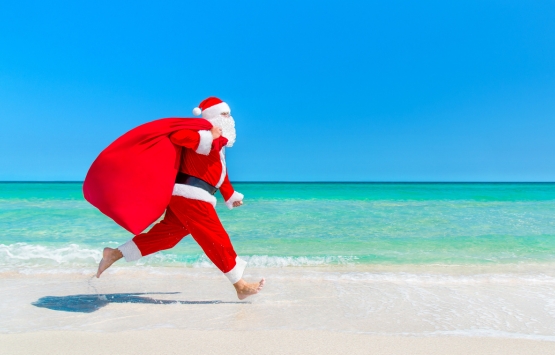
(237, 196)
(197, 111)
(205, 144)
(194, 193)
(215, 110)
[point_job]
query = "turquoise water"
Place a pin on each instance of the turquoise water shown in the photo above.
(296, 224)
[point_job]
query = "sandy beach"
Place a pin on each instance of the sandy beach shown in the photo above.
(301, 311)
(174, 341)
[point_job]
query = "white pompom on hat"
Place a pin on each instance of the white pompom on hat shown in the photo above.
(211, 107)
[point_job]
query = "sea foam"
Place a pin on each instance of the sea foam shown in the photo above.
(23, 254)
(18, 255)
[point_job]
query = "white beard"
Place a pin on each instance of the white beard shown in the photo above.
(228, 128)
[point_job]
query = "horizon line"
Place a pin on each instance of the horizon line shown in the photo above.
(308, 182)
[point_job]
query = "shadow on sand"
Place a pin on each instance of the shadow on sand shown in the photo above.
(91, 303)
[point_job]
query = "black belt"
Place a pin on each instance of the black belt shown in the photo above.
(196, 182)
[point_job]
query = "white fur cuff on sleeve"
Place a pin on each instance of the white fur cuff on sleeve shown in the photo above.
(237, 196)
(205, 142)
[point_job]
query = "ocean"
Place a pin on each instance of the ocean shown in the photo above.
(390, 258)
(50, 225)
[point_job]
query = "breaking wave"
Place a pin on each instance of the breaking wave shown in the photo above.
(18, 255)
(23, 254)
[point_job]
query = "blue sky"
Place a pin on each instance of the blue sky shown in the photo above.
(327, 90)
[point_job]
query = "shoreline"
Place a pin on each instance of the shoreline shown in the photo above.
(175, 341)
(510, 306)
(546, 268)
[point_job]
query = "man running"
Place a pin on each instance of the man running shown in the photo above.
(202, 172)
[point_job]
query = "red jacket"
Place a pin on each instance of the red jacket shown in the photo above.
(201, 159)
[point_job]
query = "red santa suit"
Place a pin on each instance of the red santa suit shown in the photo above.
(192, 209)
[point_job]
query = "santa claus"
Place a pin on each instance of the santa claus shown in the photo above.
(191, 210)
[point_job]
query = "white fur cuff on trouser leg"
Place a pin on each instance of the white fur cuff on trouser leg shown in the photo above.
(237, 272)
(130, 251)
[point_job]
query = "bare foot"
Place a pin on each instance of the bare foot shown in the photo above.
(245, 289)
(109, 256)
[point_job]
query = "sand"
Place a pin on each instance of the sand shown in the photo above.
(175, 341)
(301, 311)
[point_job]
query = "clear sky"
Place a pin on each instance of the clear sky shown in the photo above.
(320, 90)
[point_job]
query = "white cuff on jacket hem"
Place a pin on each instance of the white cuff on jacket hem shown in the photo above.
(237, 196)
(130, 251)
(194, 193)
(236, 273)
(205, 144)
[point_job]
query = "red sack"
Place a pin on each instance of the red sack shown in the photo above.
(131, 181)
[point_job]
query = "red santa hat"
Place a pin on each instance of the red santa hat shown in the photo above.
(211, 107)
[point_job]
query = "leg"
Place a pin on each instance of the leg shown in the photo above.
(163, 235)
(201, 220)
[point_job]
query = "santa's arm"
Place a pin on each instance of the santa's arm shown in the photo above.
(229, 194)
(199, 141)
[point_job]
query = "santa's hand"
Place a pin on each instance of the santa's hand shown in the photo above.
(235, 200)
(237, 203)
(216, 132)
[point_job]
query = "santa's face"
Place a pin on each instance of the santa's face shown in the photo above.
(226, 122)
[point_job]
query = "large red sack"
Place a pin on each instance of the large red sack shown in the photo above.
(132, 180)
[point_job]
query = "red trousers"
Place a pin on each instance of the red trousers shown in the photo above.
(199, 218)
